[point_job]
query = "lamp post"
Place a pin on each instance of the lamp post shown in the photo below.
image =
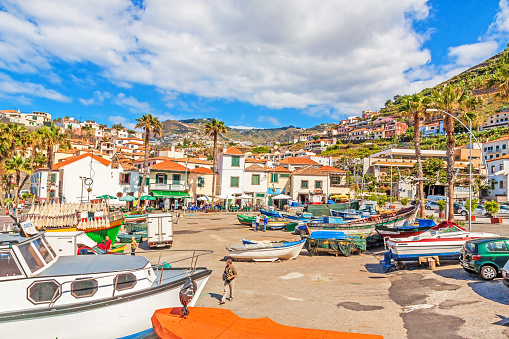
(470, 166)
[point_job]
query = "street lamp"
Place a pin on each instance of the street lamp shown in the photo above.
(470, 167)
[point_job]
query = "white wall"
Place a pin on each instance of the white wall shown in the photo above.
(261, 188)
(226, 171)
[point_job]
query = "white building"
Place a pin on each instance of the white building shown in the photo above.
(35, 119)
(498, 170)
(230, 166)
(496, 148)
(499, 119)
(256, 183)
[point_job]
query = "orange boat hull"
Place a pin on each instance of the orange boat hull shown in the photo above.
(208, 323)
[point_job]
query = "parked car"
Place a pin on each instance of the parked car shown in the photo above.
(505, 274)
(485, 256)
(460, 209)
(431, 205)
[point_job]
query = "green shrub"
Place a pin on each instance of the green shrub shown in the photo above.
(382, 199)
(475, 203)
(441, 205)
(491, 208)
(404, 201)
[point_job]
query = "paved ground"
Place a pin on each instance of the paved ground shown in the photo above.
(350, 294)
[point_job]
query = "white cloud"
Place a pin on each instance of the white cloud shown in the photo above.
(471, 54)
(501, 22)
(8, 86)
(132, 104)
(243, 127)
(267, 119)
(97, 99)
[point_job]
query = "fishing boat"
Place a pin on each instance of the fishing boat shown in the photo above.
(47, 296)
(266, 251)
(273, 214)
(303, 217)
(365, 226)
(212, 323)
(444, 241)
(277, 223)
(135, 217)
(405, 231)
(246, 219)
(333, 242)
(127, 238)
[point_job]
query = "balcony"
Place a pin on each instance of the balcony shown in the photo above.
(171, 186)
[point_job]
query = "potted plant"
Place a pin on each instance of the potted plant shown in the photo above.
(404, 201)
(471, 206)
(441, 208)
(492, 208)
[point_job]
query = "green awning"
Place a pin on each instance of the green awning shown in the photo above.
(170, 194)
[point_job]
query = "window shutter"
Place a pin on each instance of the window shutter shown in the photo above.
(147, 181)
(165, 178)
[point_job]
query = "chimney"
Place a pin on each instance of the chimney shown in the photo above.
(224, 149)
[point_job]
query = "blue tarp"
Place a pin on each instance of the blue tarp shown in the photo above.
(426, 222)
(327, 235)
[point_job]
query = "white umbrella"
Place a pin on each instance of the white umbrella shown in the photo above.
(244, 196)
(281, 197)
(204, 198)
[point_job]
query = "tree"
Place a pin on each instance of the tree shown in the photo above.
(5, 153)
(415, 106)
(149, 123)
(118, 127)
(450, 99)
(33, 141)
(213, 128)
(53, 139)
(16, 165)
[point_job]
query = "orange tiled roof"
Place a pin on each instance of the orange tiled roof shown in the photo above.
(280, 169)
(330, 169)
(79, 157)
(233, 150)
(201, 170)
(251, 160)
(256, 168)
(168, 165)
(309, 170)
(298, 161)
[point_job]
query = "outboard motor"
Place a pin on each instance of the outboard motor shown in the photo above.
(186, 294)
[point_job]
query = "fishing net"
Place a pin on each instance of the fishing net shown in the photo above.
(336, 246)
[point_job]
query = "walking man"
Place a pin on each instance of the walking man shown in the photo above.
(228, 276)
(265, 221)
(257, 220)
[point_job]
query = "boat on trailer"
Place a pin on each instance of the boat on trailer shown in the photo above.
(266, 251)
(47, 296)
(135, 217)
(405, 231)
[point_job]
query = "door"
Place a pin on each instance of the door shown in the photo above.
(498, 252)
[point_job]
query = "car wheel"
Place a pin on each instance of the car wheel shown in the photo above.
(488, 272)
(464, 213)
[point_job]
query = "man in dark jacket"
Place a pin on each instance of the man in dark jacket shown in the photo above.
(228, 276)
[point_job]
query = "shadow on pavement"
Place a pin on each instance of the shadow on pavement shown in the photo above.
(216, 296)
(493, 290)
(457, 274)
(375, 268)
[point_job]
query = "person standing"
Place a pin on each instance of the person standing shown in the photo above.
(134, 245)
(257, 220)
(265, 222)
(108, 243)
(230, 273)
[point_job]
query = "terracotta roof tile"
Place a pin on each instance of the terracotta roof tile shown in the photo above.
(79, 157)
(256, 168)
(330, 169)
(499, 158)
(281, 169)
(298, 161)
(201, 170)
(309, 170)
(233, 150)
(168, 165)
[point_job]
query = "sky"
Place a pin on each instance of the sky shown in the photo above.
(249, 63)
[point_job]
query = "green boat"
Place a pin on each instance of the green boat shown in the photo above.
(135, 227)
(100, 234)
(135, 217)
(246, 219)
(127, 238)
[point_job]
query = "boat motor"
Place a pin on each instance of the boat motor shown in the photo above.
(186, 294)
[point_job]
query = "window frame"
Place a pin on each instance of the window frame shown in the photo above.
(238, 182)
(200, 182)
(253, 181)
(52, 300)
(115, 284)
(96, 288)
(237, 160)
(17, 264)
(319, 184)
(302, 184)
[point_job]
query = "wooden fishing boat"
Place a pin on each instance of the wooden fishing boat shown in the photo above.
(266, 251)
(245, 219)
(135, 227)
(99, 234)
(405, 231)
(212, 323)
(127, 238)
(135, 217)
(276, 223)
(365, 226)
(273, 214)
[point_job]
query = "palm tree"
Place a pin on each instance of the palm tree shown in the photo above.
(16, 165)
(5, 152)
(150, 124)
(33, 141)
(213, 128)
(449, 100)
(415, 106)
(16, 133)
(52, 139)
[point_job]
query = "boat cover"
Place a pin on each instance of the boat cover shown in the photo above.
(258, 246)
(327, 235)
(209, 323)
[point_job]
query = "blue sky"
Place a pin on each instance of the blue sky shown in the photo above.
(249, 63)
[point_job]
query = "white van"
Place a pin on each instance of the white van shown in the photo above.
(71, 243)
(160, 230)
(435, 198)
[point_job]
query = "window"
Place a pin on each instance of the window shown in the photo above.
(318, 184)
(304, 184)
(43, 251)
(497, 246)
(260, 195)
(32, 259)
(53, 178)
(504, 146)
(493, 185)
(492, 169)
(234, 181)
(335, 180)
(255, 179)
(176, 179)
(160, 178)
(44, 291)
(81, 288)
(501, 167)
(124, 281)
(274, 177)
(235, 161)
(501, 184)
(284, 175)
(125, 178)
(8, 265)
(201, 182)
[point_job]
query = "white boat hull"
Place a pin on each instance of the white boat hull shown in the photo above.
(109, 320)
(267, 254)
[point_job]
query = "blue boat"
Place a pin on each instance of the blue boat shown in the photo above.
(273, 214)
(327, 235)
